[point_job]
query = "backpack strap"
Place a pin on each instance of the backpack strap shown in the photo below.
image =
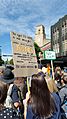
(10, 89)
(8, 101)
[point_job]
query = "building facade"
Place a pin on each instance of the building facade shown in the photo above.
(59, 37)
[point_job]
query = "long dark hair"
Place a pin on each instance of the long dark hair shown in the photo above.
(3, 94)
(41, 100)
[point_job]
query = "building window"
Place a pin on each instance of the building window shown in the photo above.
(66, 36)
(62, 38)
(39, 31)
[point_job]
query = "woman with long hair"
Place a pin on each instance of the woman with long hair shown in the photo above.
(41, 104)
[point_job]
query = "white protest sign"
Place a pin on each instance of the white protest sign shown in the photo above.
(50, 55)
(24, 57)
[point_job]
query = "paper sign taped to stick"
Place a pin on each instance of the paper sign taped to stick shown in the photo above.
(24, 57)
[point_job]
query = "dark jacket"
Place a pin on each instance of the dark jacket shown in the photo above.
(14, 94)
(55, 115)
(63, 93)
(63, 96)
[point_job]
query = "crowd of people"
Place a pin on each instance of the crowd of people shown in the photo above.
(45, 99)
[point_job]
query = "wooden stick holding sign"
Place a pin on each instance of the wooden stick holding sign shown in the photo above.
(28, 87)
(52, 69)
(28, 83)
(50, 55)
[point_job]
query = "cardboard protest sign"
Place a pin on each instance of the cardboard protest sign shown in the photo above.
(24, 57)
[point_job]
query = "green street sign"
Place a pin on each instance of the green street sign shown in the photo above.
(49, 55)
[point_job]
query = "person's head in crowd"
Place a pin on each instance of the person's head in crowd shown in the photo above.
(50, 83)
(3, 93)
(20, 82)
(58, 70)
(39, 67)
(10, 67)
(1, 70)
(8, 76)
(58, 75)
(62, 74)
(34, 76)
(44, 70)
(65, 79)
(41, 100)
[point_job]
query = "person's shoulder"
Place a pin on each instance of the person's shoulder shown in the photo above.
(54, 94)
(56, 97)
(57, 101)
(31, 114)
(63, 89)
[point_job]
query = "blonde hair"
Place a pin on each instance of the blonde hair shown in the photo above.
(51, 84)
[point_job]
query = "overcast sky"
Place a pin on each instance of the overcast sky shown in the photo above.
(23, 16)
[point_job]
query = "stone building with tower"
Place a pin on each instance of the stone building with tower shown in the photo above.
(41, 40)
(40, 35)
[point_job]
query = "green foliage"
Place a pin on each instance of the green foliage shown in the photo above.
(7, 62)
(37, 50)
(11, 62)
(1, 61)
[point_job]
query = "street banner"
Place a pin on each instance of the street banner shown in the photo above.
(24, 57)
